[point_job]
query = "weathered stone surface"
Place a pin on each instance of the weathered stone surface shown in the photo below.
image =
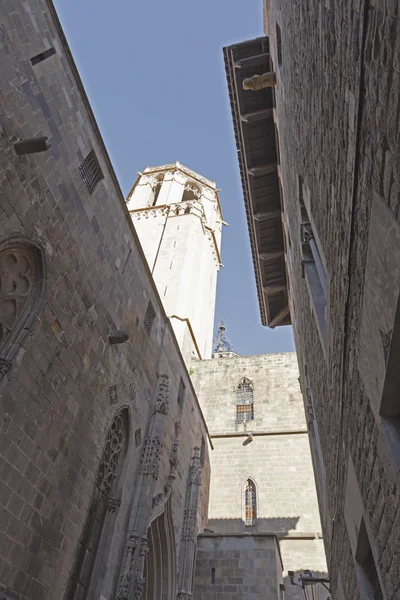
(276, 457)
(337, 113)
(65, 382)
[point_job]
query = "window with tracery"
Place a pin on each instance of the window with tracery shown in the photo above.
(250, 503)
(103, 504)
(22, 285)
(244, 401)
(191, 192)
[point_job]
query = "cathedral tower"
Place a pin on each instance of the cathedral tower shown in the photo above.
(178, 218)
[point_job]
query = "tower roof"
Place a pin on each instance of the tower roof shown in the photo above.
(180, 167)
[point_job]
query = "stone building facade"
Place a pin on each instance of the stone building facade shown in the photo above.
(104, 464)
(263, 511)
(336, 112)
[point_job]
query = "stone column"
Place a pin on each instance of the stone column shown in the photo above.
(187, 551)
(131, 581)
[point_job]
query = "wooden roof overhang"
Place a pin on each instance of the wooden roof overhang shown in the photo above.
(257, 146)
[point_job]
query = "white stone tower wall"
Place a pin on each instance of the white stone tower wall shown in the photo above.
(182, 249)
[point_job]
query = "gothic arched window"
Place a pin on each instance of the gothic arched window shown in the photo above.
(92, 548)
(22, 287)
(244, 401)
(191, 192)
(157, 189)
(250, 502)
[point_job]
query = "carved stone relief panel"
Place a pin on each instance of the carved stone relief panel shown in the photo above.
(22, 286)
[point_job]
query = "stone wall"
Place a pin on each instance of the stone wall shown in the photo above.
(277, 459)
(62, 380)
(238, 567)
(337, 112)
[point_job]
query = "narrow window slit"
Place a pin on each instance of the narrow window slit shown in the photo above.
(42, 56)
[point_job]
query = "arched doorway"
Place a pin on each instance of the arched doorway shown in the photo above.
(160, 566)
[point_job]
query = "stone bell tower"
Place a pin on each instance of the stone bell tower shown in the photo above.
(178, 218)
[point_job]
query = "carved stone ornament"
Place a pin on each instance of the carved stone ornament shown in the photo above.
(386, 337)
(113, 395)
(189, 527)
(126, 577)
(5, 366)
(150, 456)
(196, 192)
(138, 588)
(184, 596)
(16, 289)
(113, 504)
(195, 469)
(132, 392)
(173, 457)
(161, 499)
(162, 400)
(22, 286)
(306, 233)
(115, 443)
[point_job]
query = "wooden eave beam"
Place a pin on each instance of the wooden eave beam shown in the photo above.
(267, 214)
(274, 287)
(263, 170)
(257, 115)
(270, 255)
(279, 317)
(251, 61)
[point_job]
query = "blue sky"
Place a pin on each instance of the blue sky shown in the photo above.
(154, 74)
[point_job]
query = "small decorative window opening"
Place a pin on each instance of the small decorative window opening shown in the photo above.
(250, 503)
(149, 317)
(91, 172)
(181, 394)
(244, 401)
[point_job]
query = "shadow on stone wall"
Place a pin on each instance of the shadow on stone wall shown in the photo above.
(278, 525)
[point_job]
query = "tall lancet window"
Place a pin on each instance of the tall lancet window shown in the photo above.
(93, 546)
(250, 503)
(157, 189)
(244, 401)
